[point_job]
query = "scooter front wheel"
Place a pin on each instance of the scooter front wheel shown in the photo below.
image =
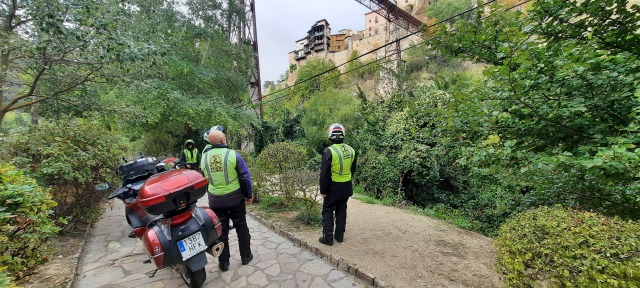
(193, 279)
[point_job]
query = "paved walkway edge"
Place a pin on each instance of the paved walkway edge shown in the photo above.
(73, 282)
(341, 264)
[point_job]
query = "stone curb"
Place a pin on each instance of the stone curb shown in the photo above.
(340, 264)
(73, 282)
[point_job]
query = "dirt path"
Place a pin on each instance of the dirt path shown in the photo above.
(408, 250)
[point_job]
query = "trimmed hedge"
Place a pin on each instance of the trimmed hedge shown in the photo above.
(25, 226)
(559, 247)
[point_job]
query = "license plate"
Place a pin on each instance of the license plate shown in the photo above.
(191, 245)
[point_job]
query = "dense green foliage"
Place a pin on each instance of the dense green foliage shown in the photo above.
(560, 110)
(25, 226)
(549, 117)
(69, 157)
(326, 107)
(306, 82)
(444, 9)
(549, 114)
(143, 67)
(83, 83)
(52, 48)
(557, 247)
(5, 280)
(188, 88)
(358, 69)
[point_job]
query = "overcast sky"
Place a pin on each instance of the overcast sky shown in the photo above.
(282, 22)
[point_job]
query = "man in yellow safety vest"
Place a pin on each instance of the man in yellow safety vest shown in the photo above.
(229, 188)
(336, 174)
(190, 155)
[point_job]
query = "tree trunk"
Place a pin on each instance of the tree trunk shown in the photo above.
(4, 67)
(34, 114)
(7, 29)
(205, 52)
(2, 113)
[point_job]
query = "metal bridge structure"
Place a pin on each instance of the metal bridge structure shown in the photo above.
(242, 30)
(399, 23)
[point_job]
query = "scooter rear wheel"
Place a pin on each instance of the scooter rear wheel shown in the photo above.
(193, 279)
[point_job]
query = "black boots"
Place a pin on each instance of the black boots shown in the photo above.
(224, 266)
(246, 260)
(326, 241)
(339, 238)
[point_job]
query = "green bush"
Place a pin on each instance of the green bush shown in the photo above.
(273, 165)
(559, 247)
(25, 226)
(280, 171)
(378, 176)
(69, 157)
(5, 280)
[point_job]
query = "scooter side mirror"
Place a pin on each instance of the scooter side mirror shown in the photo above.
(102, 186)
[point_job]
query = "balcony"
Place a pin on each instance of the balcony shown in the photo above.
(299, 57)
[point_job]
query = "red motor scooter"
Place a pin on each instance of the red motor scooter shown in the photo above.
(177, 234)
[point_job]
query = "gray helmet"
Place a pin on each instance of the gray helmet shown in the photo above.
(336, 131)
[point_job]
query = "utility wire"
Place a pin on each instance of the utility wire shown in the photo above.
(377, 60)
(370, 52)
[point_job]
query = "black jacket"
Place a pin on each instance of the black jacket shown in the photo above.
(335, 190)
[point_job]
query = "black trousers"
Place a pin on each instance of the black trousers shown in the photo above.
(237, 214)
(329, 207)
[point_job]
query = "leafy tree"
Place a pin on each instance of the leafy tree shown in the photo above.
(444, 9)
(51, 48)
(274, 166)
(282, 181)
(305, 88)
(326, 107)
(186, 91)
(358, 69)
(564, 103)
(268, 85)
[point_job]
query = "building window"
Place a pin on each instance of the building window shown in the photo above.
(376, 19)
